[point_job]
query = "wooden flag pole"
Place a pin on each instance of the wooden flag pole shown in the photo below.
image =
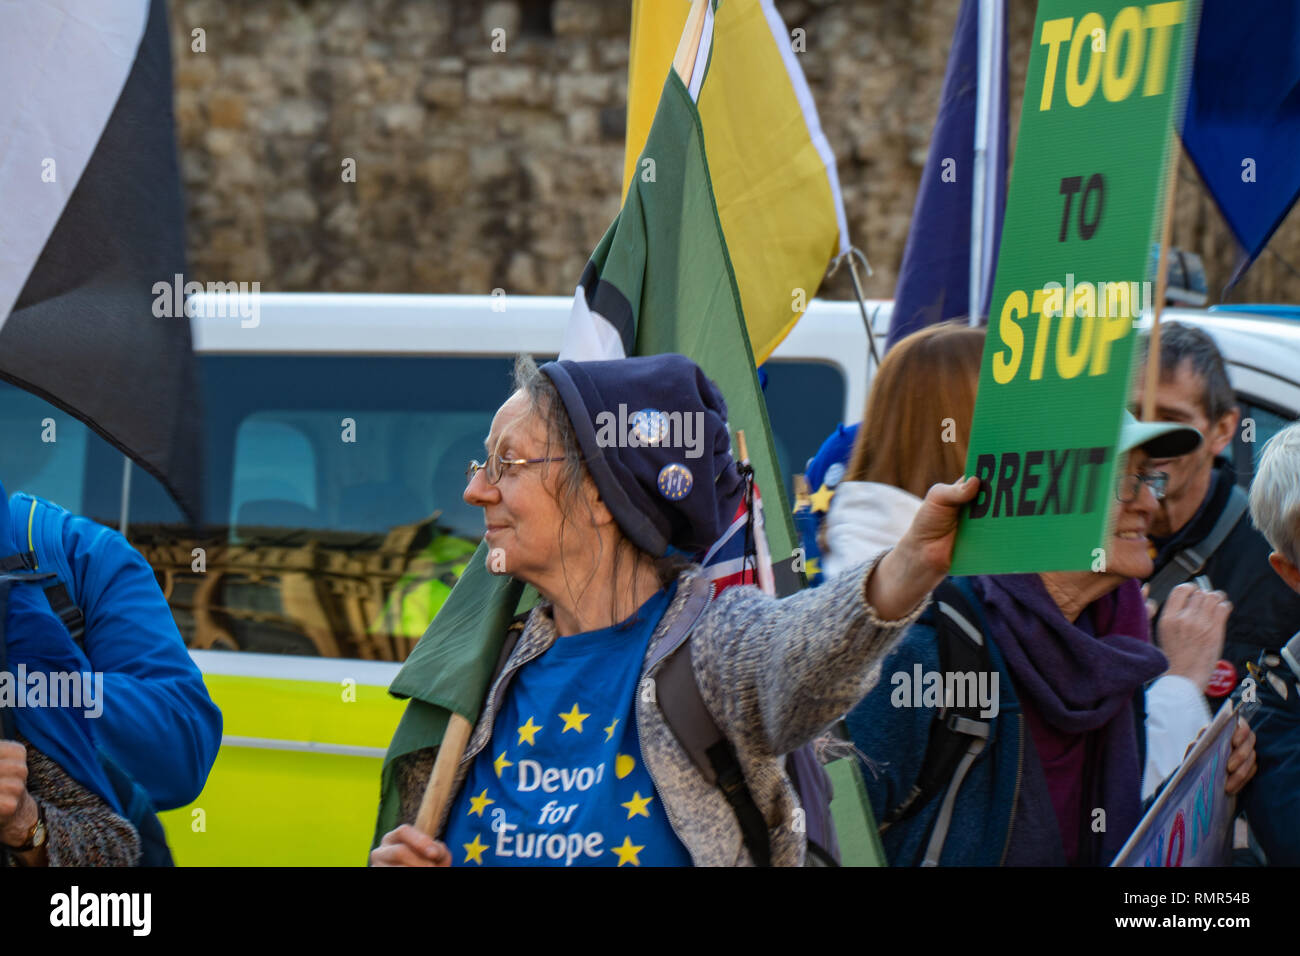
(1153, 344)
(689, 45)
(454, 741)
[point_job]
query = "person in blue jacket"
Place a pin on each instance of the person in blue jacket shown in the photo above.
(1062, 730)
(159, 724)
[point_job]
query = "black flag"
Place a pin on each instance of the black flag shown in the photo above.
(83, 333)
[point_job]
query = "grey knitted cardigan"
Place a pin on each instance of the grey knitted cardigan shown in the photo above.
(773, 673)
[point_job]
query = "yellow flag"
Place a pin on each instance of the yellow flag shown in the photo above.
(773, 172)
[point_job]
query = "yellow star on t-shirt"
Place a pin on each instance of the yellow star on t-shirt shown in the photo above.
(609, 731)
(474, 851)
(637, 805)
(821, 499)
(501, 763)
(573, 720)
(478, 804)
(528, 731)
(627, 852)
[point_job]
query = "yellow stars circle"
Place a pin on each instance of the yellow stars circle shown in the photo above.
(478, 804)
(501, 763)
(573, 720)
(627, 853)
(635, 807)
(821, 499)
(474, 851)
(609, 731)
(528, 732)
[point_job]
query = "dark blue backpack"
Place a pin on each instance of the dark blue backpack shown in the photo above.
(714, 757)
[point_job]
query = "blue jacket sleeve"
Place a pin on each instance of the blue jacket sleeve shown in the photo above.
(158, 721)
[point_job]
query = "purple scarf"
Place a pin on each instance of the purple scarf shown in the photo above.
(1081, 677)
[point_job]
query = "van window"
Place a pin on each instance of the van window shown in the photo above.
(805, 401)
(1268, 421)
(274, 462)
(333, 518)
(44, 448)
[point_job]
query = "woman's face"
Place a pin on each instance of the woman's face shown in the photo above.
(522, 515)
(1129, 553)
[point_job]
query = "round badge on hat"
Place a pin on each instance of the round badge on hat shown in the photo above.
(675, 481)
(650, 426)
(1223, 680)
(834, 474)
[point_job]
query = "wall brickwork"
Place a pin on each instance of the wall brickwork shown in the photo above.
(479, 169)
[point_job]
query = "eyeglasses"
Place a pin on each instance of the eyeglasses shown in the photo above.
(1128, 487)
(496, 466)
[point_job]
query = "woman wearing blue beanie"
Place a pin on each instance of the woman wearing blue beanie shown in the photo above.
(604, 483)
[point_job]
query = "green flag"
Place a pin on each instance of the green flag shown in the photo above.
(659, 281)
(449, 669)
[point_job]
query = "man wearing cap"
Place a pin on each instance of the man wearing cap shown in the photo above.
(1055, 768)
(1273, 800)
(1199, 530)
(604, 483)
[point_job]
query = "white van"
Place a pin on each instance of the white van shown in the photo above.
(337, 431)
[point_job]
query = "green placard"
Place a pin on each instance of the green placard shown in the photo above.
(855, 824)
(1106, 85)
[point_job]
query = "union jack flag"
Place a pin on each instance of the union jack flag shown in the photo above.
(739, 557)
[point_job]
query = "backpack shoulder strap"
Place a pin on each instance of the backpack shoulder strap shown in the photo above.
(513, 632)
(66, 610)
(16, 562)
(957, 734)
(709, 749)
(683, 708)
(1189, 561)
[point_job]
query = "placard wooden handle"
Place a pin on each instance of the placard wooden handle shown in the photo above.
(454, 741)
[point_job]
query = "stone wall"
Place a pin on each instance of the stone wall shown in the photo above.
(477, 169)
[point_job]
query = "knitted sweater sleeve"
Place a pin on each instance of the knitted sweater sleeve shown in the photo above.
(82, 830)
(775, 672)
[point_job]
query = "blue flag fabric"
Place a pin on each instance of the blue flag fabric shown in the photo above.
(934, 278)
(1242, 128)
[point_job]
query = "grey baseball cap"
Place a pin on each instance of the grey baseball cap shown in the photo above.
(1157, 439)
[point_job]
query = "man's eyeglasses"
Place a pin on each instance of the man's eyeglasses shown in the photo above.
(1128, 487)
(496, 466)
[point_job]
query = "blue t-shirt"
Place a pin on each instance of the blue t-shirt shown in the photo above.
(562, 782)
